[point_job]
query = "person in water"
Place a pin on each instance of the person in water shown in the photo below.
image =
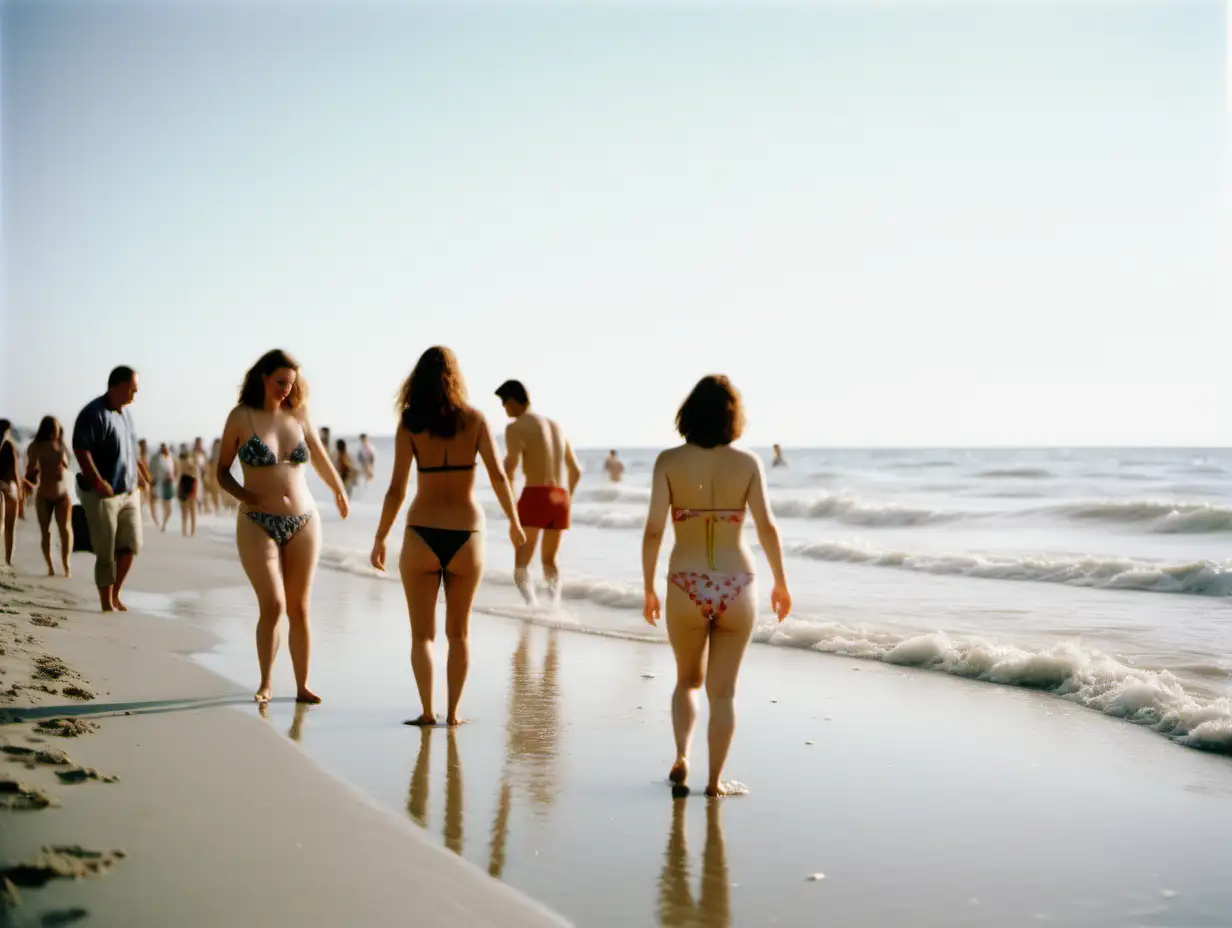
(187, 490)
(547, 458)
(277, 531)
(779, 460)
(367, 459)
(444, 435)
(47, 471)
(706, 485)
(614, 466)
(346, 466)
(10, 489)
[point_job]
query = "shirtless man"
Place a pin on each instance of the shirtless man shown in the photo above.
(547, 460)
(614, 466)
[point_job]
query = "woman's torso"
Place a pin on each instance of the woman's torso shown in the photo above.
(280, 480)
(445, 498)
(162, 468)
(53, 468)
(8, 461)
(709, 490)
(188, 468)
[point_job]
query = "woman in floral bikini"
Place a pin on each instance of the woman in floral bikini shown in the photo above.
(706, 485)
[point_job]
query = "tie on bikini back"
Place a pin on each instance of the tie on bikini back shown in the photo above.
(446, 466)
(713, 516)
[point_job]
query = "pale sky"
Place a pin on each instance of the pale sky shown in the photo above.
(891, 224)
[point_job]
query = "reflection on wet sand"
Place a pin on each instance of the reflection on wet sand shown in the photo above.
(533, 745)
(297, 722)
(417, 798)
(677, 908)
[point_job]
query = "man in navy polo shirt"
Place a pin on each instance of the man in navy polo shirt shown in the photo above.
(105, 444)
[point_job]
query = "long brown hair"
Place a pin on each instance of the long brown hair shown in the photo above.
(49, 429)
(433, 397)
(252, 393)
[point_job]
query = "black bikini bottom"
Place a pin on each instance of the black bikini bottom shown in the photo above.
(444, 542)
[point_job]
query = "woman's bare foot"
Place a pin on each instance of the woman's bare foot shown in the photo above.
(263, 694)
(679, 772)
(453, 721)
(424, 721)
(307, 696)
(117, 605)
(719, 790)
(51, 571)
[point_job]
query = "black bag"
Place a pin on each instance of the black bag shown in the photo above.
(81, 530)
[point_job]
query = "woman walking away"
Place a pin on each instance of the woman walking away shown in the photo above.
(443, 541)
(10, 491)
(47, 472)
(189, 481)
(347, 471)
(277, 530)
(706, 485)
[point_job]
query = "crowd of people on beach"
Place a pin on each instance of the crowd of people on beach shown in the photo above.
(705, 486)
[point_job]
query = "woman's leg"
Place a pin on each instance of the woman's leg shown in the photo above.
(421, 581)
(461, 582)
(44, 512)
(184, 517)
(10, 526)
(192, 513)
(729, 639)
(688, 633)
(259, 558)
(64, 522)
(299, 567)
(166, 513)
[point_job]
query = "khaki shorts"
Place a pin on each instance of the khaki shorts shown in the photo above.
(115, 527)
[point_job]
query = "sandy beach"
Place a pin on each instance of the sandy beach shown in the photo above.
(877, 794)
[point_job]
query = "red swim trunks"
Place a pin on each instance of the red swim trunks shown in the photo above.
(544, 507)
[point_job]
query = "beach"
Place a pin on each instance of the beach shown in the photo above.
(878, 794)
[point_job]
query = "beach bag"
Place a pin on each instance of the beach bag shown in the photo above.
(81, 530)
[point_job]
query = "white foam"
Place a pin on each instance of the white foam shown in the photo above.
(1202, 577)
(1146, 697)
(852, 511)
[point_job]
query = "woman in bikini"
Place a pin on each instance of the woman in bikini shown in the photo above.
(10, 489)
(277, 530)
(443, 541)
(162, 484)
(187, 490)
(706, 485)
(47, 471)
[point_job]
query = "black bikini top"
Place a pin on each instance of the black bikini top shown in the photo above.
(256, 453)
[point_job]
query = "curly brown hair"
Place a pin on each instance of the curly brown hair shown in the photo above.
(252, 393)
(433, 398)
(712, 414)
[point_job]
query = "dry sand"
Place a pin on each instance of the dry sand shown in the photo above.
(169, 808)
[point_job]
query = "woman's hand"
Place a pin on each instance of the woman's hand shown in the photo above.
(378, 554)
(780, 599)
(650, 607)
(340, 500)
(516, 535)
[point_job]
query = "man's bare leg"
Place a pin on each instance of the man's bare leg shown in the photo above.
(521, 567)
(551, 545)
(124, 560)
(105, 596)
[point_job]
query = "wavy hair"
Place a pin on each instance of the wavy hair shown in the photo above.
(252, 393)
(49, 429)
(712, 414)
(432, 399)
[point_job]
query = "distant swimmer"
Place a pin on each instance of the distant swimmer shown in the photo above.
(547, 461)
(367, 458)
(614, 466)
(189, 479)
(47, 471)
(779, 460)
(443, 542)
(278, 530)
(10, 491)
(706, 486)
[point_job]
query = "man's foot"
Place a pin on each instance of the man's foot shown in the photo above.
(263, 694)
(679, 772)
(51, 571)
(427, 720)
(307, 696)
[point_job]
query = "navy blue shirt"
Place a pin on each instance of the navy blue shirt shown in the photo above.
(109, 436)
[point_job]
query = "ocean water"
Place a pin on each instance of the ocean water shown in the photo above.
(1101, 575)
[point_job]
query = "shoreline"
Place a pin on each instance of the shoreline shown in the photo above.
(219, 822)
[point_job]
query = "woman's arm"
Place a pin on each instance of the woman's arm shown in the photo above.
(226, 457)
(768, 535)
(32, 467)
(496, 473)
(652, 536)
(319, 455)
(404, 453)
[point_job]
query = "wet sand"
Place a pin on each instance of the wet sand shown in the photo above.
(878, 796)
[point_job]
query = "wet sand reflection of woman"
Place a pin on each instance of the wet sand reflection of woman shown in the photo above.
(677, 908)
(417, 795)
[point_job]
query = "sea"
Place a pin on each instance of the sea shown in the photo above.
(1101, 575)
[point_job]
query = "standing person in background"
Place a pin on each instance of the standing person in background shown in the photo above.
(547, 460)
(346, 467)
(105, 444)
(706, 485)
(614, 466)
(189, 480)
(47, 471)
(209, 480)
(147, 492)
(367, 459)
(779, 460)
(278, 529)
(200, 458)
(9, 489)
(162, 484)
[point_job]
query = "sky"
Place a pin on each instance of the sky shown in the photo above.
(891, 224)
